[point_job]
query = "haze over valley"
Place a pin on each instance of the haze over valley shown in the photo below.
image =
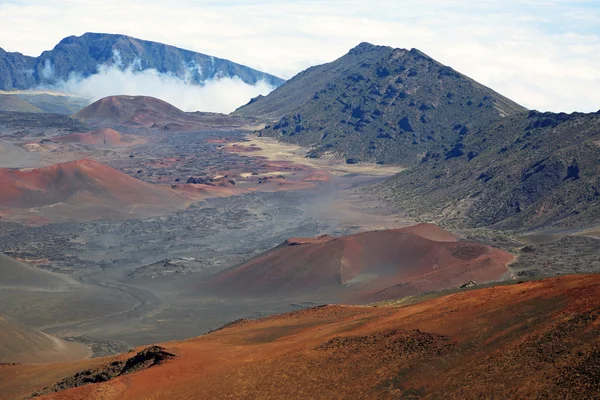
(177, 225)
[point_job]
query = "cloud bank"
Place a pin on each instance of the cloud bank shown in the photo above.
(543, 54)
(222, 94)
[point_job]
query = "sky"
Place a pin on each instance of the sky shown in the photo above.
(544, 54)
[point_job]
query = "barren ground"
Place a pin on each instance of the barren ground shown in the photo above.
(137, 281)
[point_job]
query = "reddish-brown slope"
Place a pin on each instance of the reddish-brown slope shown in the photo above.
(530, 340)
(146, 111)
(103, 137)
(82, 184)
(141, 110)
(368, 266)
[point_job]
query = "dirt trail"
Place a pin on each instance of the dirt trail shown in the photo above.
(87, 331)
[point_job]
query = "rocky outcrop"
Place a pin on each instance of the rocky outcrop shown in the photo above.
(201, 181)
(145, 359)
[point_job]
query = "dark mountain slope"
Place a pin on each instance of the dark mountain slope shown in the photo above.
(82, 55)
(523, 172)
(16, 71)
(379, 104)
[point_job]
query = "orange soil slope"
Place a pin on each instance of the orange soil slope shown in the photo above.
(367, 266)
(83, 183)
(530, 340)
(102, 137)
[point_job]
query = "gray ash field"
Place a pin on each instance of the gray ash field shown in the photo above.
(125, 260)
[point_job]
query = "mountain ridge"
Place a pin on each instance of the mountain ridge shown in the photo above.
(82, 55)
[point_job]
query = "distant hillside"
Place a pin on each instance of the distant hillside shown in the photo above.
(82, 55)
(41, 103)
(379, 104)
(150, 112)
(522, 172)
(10, 102)
(82, 190)
(54, 103)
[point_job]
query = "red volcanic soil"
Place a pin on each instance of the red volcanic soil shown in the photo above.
(368, 266)
(150, 112)
(102, 137)
(82, 184)
(529, 340)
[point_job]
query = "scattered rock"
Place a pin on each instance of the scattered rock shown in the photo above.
(200, 181)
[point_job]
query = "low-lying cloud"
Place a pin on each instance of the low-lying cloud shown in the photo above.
(223, 94)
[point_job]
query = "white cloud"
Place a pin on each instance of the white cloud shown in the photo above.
(218, 95)
(542, 53)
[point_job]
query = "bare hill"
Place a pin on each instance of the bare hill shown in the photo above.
(370, 265)
(150, 112)
(133, 109)
(83, 189)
